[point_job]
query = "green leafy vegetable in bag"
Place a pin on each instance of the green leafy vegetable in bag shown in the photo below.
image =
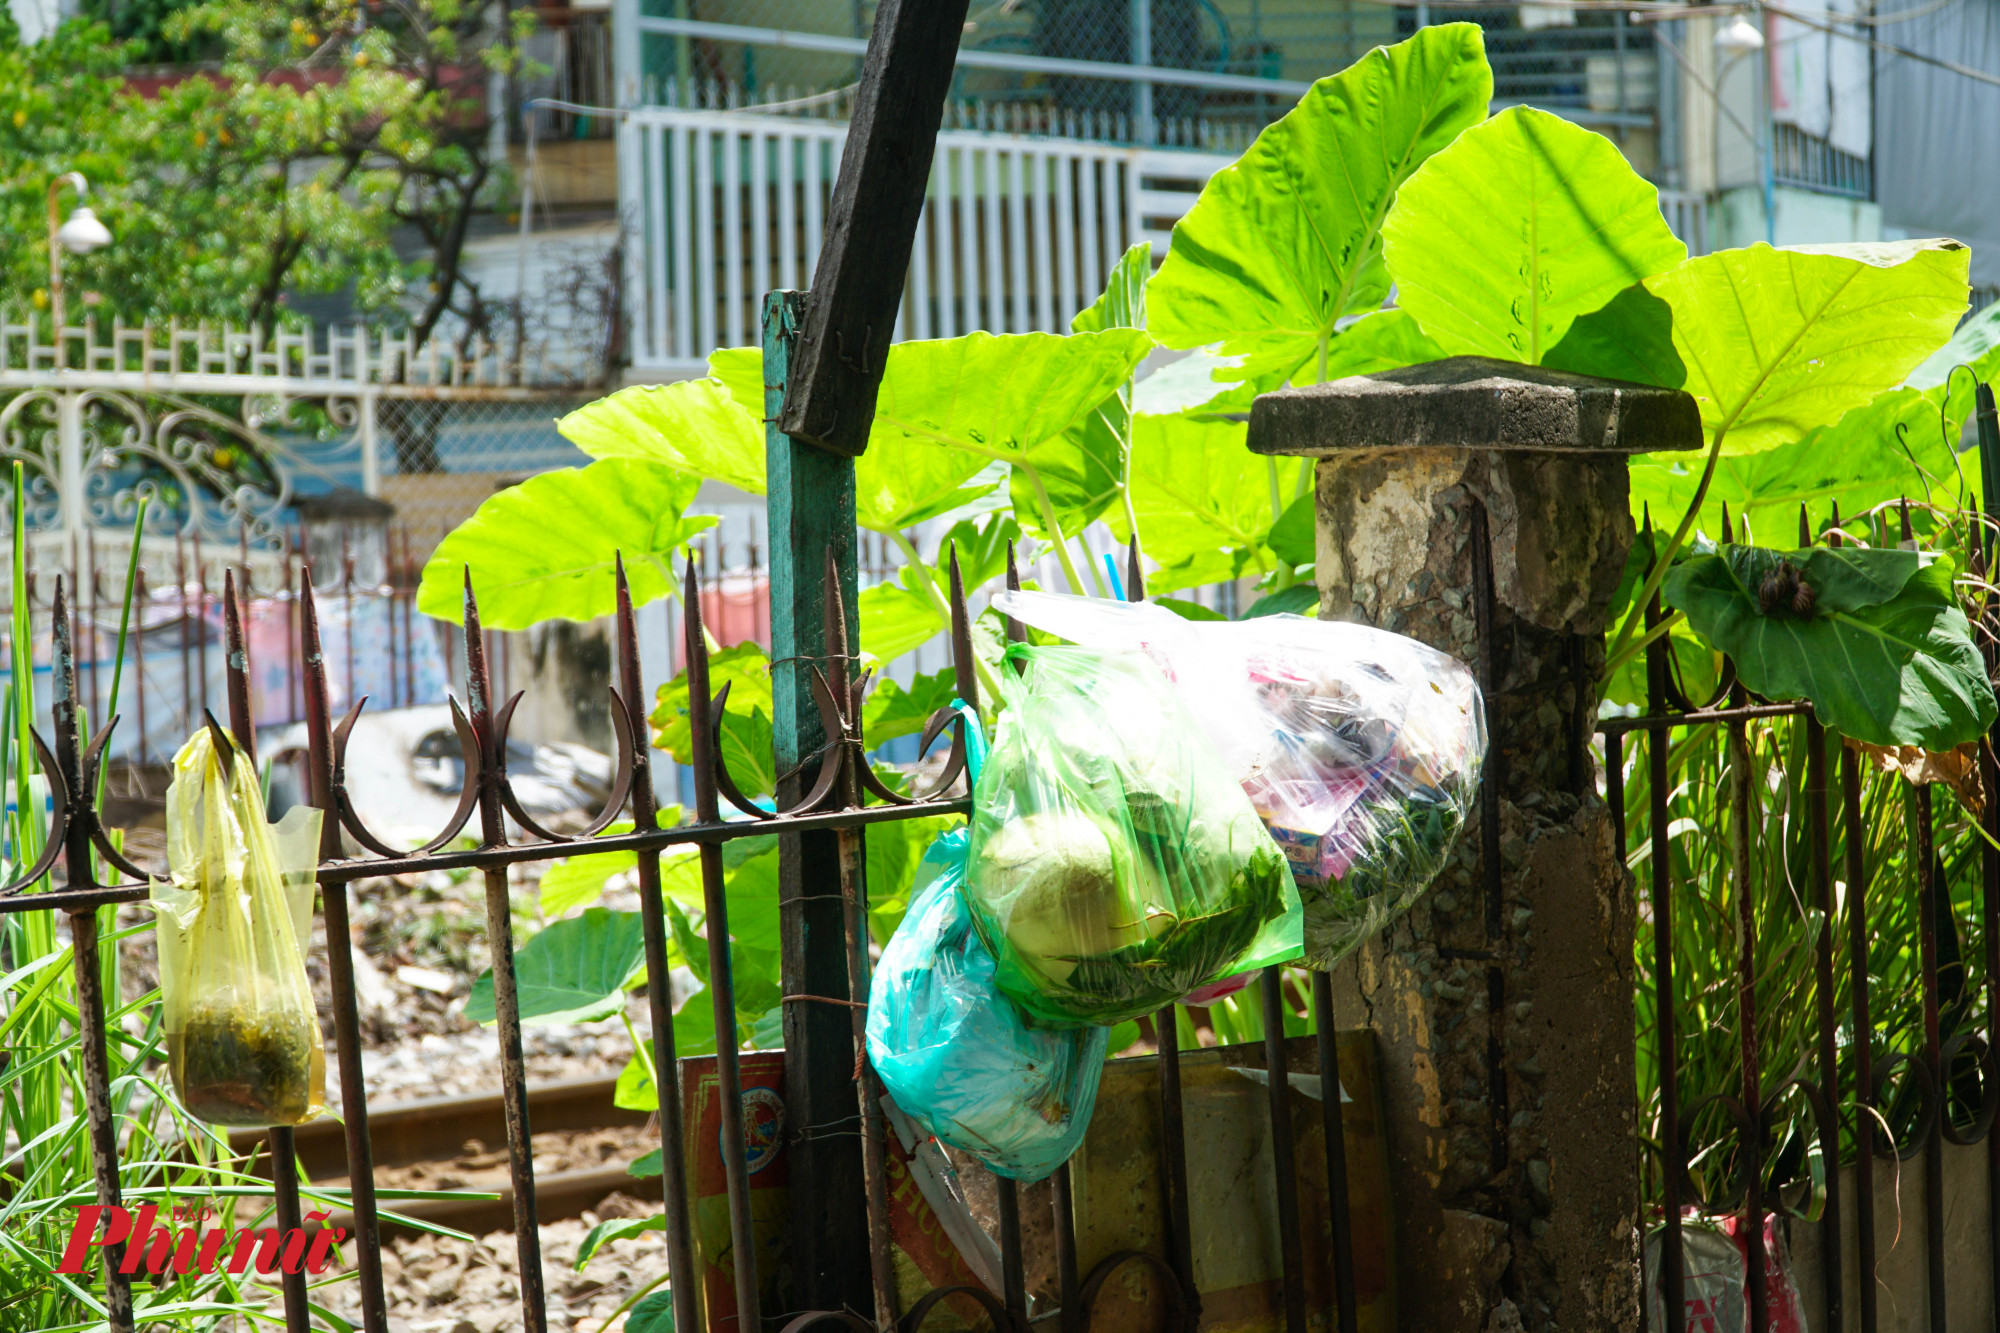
(1115, 865)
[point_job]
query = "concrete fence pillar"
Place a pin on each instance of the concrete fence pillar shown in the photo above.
(1503, 1000)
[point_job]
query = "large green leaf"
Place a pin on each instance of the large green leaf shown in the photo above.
(949, 408)
(1888, 449)
(1204, 502)
(1976, 344)
(1384, 340)
(653, 1314)
(892, 710)
(1122, 303)
(1084, 469)
(1630, 337)
(1000, 395)
(750, 888)
(574, 971)
(746, 722)
(1885, 656)
(1201, 380)
(695, 426)
(1501, 240)
(1773, 343)
(545, 549)
(1280, 245)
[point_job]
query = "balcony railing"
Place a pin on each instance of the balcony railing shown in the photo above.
(1811, 163)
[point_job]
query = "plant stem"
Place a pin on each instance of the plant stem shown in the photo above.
(1637, 615)
(1042, 501)
(1614, 664)
(1048, 511)
(674, 589)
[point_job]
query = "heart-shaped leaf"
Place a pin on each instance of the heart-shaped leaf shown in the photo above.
(1205, 504)
(546, 549)
(695, 426)
(1281, 244)
(574, 971)
(1774, 343)
(1884, 655)
(1500, 241)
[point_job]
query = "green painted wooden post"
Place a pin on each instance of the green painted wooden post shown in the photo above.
(811, 507)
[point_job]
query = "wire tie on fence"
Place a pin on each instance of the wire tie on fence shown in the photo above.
(815, 657)
(828, 999)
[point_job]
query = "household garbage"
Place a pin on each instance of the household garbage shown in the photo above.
(1113, 865)
(1359, 749)
(956, 1056)
(243, 1038)
(1715, 1257)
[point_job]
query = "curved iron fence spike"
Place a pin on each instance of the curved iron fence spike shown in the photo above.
(93, 759)
(1001, 1316)
(869, 780)
(1989, 1087)
(1745, 1128)
(800, 1323)
(59, 817)
(468, 793)
(225, 749)
(1177, 1299)
(725, 784)
(624, 771)
(498, 774)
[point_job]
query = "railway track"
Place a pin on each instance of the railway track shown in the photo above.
(460, 1143)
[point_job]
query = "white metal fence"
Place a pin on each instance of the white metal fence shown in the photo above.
(1017, 233)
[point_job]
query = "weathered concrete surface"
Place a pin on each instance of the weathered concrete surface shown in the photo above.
(1902, 1301)
(1508, 1057)
(1474, 402)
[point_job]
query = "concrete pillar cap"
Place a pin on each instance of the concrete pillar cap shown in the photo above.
(1475, 402)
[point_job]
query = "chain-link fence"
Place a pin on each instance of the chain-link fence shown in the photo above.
(1593, 65)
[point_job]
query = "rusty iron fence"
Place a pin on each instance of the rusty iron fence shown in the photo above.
(843, 795)
(1845, 1082)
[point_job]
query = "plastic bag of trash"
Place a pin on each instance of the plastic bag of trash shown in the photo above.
(1114, 866)
(956, 1056)
(1360, 749)
(243, 1037)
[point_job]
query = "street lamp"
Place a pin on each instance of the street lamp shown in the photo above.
(1736, 38)
(80, 235)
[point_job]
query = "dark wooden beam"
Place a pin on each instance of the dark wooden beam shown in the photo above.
(871, 224)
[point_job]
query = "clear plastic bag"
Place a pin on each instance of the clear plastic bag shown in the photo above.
(1360, 749)
(956, 1056)
(243, 1037)
(1114, 866)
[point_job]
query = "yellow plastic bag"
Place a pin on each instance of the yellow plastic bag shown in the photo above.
(243, 1037)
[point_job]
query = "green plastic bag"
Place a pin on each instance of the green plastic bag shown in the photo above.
(1115, 863)
(243, 1038)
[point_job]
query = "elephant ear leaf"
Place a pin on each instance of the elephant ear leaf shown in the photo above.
(1286, 242)
(1877, 645)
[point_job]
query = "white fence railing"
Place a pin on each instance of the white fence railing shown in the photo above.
(1017, 233)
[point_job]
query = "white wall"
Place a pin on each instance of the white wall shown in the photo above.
(1803, 218)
